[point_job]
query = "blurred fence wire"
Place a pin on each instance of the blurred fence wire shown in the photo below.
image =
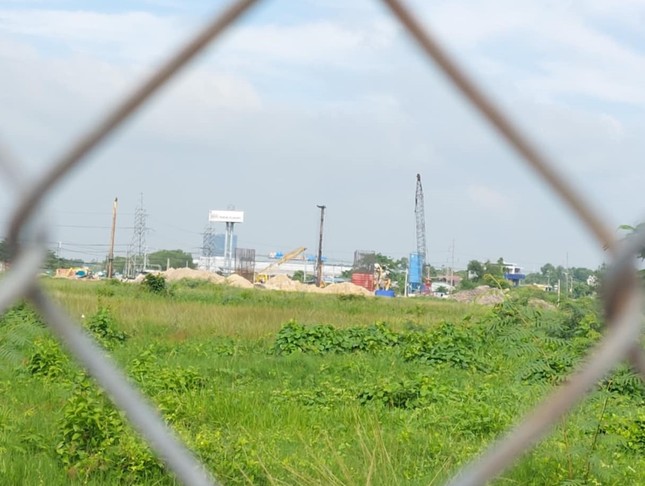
(27, 236)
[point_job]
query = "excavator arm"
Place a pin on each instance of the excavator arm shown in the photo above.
(264, 275)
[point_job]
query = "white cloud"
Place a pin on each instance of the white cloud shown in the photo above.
(127, 36)
(309, 43)
(560, 49)
(366, 117)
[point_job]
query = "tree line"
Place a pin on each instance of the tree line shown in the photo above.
(158, 259)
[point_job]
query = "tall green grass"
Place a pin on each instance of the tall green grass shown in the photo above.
(345, 402)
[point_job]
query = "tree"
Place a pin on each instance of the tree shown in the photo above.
(494, 269)
(176, 259)
(548, 272)
(496, 281)
(476, 269)
(632, 230)
(581, 274)
(298, 276)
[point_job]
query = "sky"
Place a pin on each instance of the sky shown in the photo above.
(329, 102)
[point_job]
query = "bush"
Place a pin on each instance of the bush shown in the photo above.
(155, 284)
(94, 438)
(322, 339)
(47, 359)
(102, 325)
(444, 343)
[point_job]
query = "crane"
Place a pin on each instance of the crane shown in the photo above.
(264, 275)
(419, 212)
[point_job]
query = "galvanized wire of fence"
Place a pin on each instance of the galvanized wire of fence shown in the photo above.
(622, 295)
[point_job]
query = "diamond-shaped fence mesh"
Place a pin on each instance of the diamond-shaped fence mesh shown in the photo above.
(27, 236)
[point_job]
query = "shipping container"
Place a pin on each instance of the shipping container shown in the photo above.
(365, 280)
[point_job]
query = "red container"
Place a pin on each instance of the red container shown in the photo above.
(365, 280)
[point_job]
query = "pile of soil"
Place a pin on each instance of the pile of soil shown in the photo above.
(174, 274)
(235, 280)
(483, 295)
(282, 282)
(278, 282)
(346, 288)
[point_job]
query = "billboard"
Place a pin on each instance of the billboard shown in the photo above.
(217, 216)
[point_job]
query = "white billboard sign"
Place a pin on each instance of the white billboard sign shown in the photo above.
(217, 216)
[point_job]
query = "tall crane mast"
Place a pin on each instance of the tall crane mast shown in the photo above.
(419, 212)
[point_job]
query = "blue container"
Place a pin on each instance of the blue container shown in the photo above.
(414, 274)
(384, 293)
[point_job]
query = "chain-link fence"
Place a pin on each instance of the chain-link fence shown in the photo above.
(27, 236)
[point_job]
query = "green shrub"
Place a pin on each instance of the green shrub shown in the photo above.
(47, 360)
(444, 343)
(401, 393)
(625, 382)
(102, 325)
(322, 339)
(155, 284)
(19, 327)
(549, 369)
(94, 438)
(154, 378)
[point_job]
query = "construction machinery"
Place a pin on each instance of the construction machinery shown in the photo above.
(265, 274)
(382, 279)
(418, 259)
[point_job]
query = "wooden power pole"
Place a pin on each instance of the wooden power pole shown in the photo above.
(319, 260)
(110, 263)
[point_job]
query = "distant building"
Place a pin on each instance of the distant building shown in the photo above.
(452, 280)
(513, 273)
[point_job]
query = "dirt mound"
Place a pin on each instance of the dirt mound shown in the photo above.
(282, 282)
(346, 288)
(174, 274)
(483, 295)
(235, 280)
(541, 304)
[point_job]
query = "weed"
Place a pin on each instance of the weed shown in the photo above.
(103, 326)
(94, 437)
(47, 360)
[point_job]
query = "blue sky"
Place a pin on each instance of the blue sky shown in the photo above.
(318, 102)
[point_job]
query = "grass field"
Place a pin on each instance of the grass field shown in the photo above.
(283, 388)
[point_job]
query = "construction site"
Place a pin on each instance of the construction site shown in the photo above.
(222, 261)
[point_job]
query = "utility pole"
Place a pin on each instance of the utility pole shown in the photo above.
(110, 265)
(319, 260)
(452, 265)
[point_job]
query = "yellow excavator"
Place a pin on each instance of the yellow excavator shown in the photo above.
(265, 274)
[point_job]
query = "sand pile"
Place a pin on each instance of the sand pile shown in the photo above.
(278, 282)
(235, 280)
(483, 295)
(346, 288)
(282, 282)
(174, 274)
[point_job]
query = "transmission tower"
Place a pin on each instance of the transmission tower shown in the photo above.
(208, 249)
(138, 251)
(419, 212)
